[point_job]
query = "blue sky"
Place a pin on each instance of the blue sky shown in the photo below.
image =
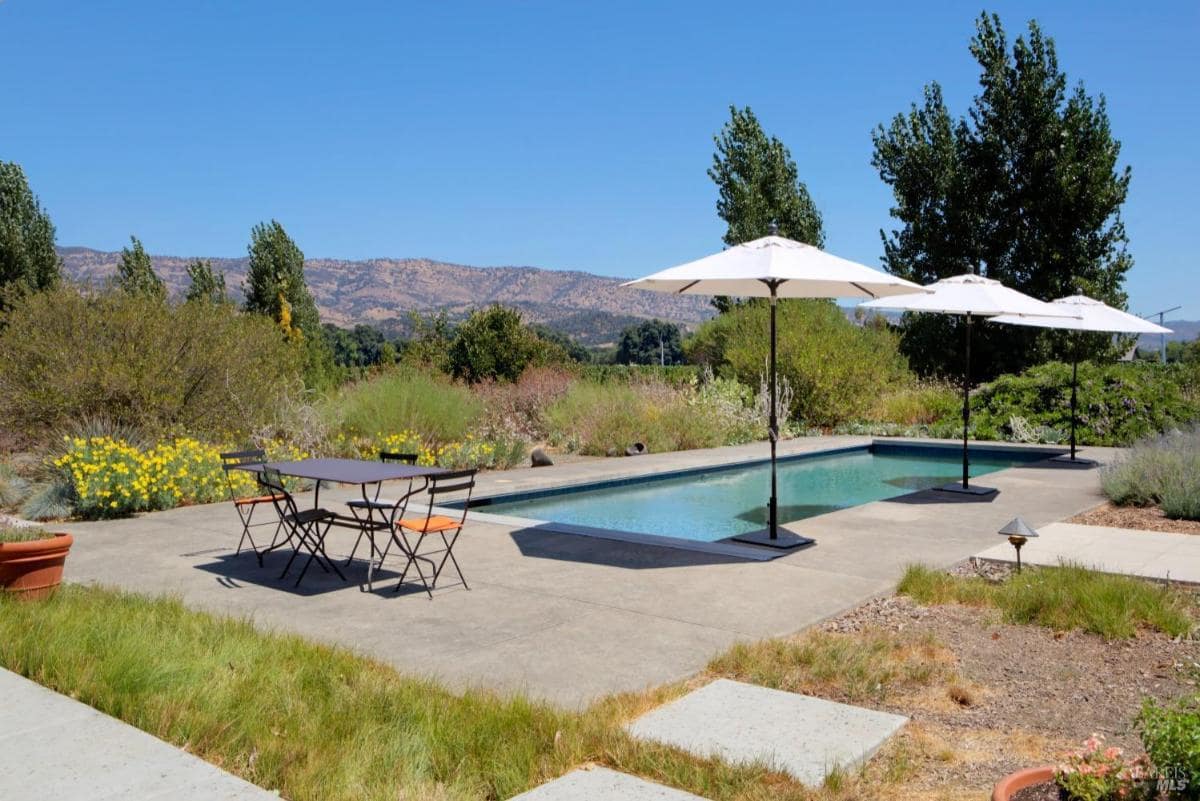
(560, 135)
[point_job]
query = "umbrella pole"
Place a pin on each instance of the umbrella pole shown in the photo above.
(773, 433)
(1074, 389)
(966, 413)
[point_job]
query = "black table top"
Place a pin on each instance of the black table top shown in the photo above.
(348, 471)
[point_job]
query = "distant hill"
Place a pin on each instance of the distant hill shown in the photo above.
(1181, 331)
(590, 307)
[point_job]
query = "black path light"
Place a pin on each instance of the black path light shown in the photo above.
(1018, 533)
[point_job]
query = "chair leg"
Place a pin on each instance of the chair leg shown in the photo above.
(450, 556)
(414, 560)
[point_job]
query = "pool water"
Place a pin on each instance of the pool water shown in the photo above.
(712, 505)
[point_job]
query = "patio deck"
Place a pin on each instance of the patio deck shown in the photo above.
(568, 618)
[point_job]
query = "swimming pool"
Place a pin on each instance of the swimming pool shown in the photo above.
(717, 503)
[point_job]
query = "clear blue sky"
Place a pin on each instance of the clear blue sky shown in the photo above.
(554, 134)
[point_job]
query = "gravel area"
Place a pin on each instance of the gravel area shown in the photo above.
(1148, 518)
(1024, 694)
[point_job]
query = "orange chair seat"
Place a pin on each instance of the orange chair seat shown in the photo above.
(429, 526)
(259, 499)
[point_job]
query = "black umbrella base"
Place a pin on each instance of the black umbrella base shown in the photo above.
(1066, 461)
(970, 489)
(784, 540)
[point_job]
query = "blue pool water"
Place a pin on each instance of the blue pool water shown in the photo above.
(715, 504)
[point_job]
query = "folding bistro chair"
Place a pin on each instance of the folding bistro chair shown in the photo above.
(383, 507)
(246, 505)
(413, 531)
(307, 528)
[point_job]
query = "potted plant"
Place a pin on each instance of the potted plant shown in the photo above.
(1092, 773)
(31, 561)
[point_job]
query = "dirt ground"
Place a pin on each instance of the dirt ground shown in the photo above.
(1023, 695)
(1149, 518)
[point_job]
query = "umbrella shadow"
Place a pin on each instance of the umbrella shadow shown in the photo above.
(538, 542)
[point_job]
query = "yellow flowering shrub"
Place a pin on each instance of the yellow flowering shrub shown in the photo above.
(471, 451)
(113, 478)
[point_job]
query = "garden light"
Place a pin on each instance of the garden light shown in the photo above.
(1018, 532)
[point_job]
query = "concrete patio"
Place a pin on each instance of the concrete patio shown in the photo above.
(569, 618)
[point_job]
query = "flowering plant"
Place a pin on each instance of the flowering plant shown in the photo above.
(1097, 773)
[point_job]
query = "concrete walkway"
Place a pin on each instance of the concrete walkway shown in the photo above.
(1148, 554)
(57, 749)
(570, 618)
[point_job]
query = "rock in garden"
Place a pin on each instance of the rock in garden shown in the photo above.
(636, 449)
(539, 458)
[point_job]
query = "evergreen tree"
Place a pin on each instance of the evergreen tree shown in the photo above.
(650, 342)
(206, 285)
(135, 272)
(1026, 190)
(28, 261)
(275, 284)
(758, 185)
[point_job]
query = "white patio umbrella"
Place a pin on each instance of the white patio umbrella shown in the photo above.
(774, 267)
(1092, 316)
(970, 296)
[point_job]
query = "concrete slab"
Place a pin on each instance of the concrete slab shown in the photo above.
(569, 618)
(1147, 554)
(804, 736)
(602, 784)
(57, 749)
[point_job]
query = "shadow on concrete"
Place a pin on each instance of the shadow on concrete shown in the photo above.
(537, 542)
(233, 571)
(933, 497)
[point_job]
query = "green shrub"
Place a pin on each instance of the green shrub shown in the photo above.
(677, 375)
(600, 419)
(1118, 403)
(13, 488)
(66, 355)
(922, 403)
(1171, 737)
(404, 399)
(49, 500)
(1158, 470)
(493, 344)
(836, 369)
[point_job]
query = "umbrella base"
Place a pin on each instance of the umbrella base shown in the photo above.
(970, 489)
(784, 541)
(1066, 461)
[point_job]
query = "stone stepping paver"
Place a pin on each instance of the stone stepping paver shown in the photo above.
(602, 784)
(1146, 554)
(801, 735)
(53, 748)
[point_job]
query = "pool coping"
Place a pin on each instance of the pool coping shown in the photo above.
(726, 546)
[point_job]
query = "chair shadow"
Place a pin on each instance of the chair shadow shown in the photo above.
(234, 570)
(545, 542)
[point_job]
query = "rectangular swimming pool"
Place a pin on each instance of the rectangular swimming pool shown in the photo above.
(714, 504)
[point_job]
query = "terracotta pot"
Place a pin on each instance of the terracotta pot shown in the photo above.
(1007, 787)
(33, 569)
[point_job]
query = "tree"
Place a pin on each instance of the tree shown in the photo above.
(494, 344)
(1026, 190)
(275, 284)
(650, 342)
(575, 351)
(207, 285)
(135, 272)
(758, 184)
(28, 261)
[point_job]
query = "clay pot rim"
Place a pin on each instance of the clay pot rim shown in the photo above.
(1014, 782)
(57, 541)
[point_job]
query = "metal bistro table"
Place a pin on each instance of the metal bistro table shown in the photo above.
(365, 474)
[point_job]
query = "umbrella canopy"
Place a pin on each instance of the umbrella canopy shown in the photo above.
(797, 270)
(1092, 315)
(775, 267)
(1089, 314)
(971, 296)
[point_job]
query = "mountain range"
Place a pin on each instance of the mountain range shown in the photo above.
(383, 292)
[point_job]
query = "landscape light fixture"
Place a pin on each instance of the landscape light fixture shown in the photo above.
(1018, 533)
